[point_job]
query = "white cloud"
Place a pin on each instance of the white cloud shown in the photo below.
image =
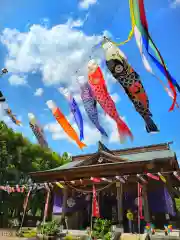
(17, 80)
(112, 129)
(85, 4)
(115, 97)
(78, 99)
(56, 53)
(38, 92)
(45, 22)
(109, 80)
(55, 57)
(2, 112)
(175, 3)
(77, 23)
(107, 34)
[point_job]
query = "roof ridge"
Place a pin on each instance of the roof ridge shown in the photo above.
(146, 148)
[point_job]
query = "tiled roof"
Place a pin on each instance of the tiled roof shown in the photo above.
(149, 148)
(135, 157)
(147, 156)
(67, 166)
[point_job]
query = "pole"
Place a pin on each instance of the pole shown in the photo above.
(66, 222)
(24, 212)
(119, 196)
(25, 207)
(46, 209)
(139, 220)
(91, 216)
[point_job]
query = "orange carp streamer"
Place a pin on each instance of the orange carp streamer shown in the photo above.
(63, 122)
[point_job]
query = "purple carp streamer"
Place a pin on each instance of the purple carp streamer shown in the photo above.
(90, 105)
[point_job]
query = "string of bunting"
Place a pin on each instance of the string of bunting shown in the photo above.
(61, 184)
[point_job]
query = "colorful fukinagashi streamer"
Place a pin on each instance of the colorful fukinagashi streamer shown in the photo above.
(63, 122)
(140, 25)
(141, 178)
(7, 110)
(142, 36)
(176, 175)
(163, 179)
(150, 175)
(74, 109)
(147, 66)
(90, 105)
(59, 185)
(37, 130)
(118, 65)
(99, 89)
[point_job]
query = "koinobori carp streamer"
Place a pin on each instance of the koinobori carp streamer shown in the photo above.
(90, 106)
(99, 89)
(37, 130)
(130, 81)
(8, 110)
(63, 122)
(75, 110)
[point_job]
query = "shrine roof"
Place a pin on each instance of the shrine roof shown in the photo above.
(121, 159)
(68, 165)
(147, 156)
(126, 151)
(110, 163)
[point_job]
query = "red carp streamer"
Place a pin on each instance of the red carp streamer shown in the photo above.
(97, 83)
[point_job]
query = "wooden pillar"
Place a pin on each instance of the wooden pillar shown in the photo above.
(50, 207)
(119, 188)
(147, 217)
(64, 205)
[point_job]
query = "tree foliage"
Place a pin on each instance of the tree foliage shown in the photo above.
(18, 157)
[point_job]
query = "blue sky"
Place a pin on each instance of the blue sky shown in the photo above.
(43, 43)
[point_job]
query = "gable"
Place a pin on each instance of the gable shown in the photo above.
(103, 157)
(102, 147)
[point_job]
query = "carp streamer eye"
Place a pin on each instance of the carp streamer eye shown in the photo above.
(119, 68)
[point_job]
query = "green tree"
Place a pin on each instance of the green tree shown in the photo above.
(18, 157)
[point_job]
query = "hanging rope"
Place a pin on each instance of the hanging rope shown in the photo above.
(89, 191)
